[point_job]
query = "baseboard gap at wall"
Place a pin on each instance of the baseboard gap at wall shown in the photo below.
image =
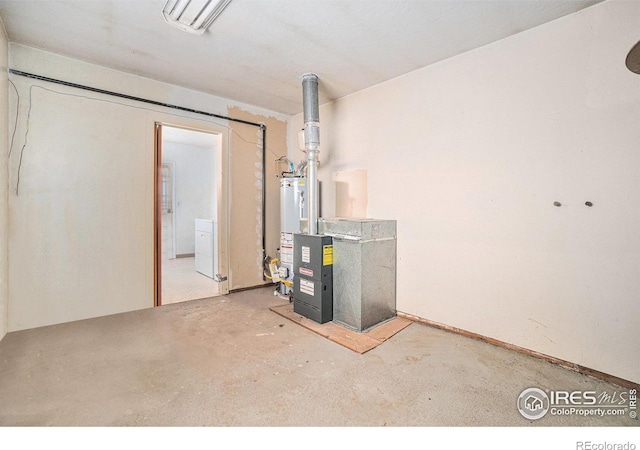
(566, 364)
(233, 291)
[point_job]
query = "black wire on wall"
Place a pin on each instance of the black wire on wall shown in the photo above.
(262, 127)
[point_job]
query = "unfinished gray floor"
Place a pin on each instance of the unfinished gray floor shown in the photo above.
(229, 361)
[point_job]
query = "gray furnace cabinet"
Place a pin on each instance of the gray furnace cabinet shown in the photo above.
(364, 271)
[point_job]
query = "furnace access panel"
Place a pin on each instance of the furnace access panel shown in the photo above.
(313, 277)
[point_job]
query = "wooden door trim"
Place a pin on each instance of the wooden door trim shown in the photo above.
(157, 211)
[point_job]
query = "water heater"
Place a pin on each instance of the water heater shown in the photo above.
(293, 208)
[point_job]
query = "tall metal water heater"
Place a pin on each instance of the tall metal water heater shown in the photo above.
(293, 208)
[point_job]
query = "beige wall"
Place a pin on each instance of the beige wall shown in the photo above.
(246, 195)
(468, 155)
(81, 223)
(4, 149)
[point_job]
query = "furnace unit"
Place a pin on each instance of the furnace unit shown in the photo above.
(313, 277)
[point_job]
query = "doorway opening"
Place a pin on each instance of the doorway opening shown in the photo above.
(187, 249)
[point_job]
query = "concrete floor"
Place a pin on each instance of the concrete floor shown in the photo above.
(229, 361)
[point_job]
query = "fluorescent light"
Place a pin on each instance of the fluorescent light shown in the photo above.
(193, 16)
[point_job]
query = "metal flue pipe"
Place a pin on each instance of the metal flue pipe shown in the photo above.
(311, 145)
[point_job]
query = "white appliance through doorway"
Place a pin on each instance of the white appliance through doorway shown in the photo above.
(206, 238)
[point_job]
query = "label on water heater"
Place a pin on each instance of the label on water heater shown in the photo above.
(307, 272)
(286, 254)
(306, 287)
(306, 254)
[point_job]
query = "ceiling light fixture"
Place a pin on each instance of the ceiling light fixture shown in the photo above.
(193, 16)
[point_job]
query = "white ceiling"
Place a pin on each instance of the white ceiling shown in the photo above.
(257, 50)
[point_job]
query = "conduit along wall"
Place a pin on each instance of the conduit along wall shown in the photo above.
(340, 270)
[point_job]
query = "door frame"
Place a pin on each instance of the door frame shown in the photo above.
(222, 181)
